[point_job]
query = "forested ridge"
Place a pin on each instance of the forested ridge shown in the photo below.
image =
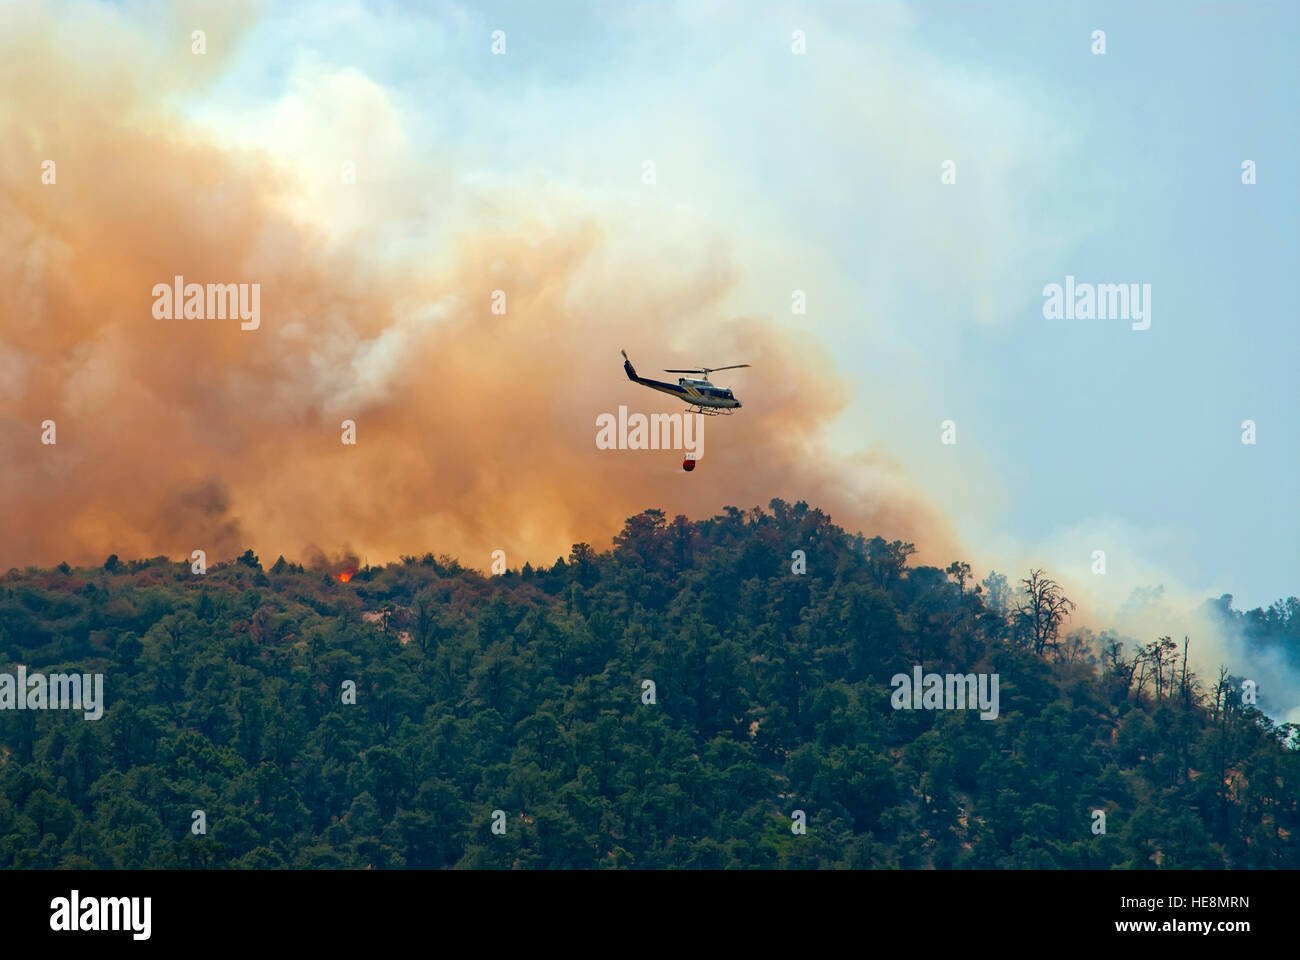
(524, 693)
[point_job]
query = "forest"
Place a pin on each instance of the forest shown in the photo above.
(705, 694)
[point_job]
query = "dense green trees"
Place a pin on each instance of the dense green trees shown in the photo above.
(524, 693)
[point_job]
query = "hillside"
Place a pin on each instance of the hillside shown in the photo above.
(524, 693)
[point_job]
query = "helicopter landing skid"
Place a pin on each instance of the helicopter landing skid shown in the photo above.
(709, 411)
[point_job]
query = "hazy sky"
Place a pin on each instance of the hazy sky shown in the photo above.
(774, 172)
(821, 172)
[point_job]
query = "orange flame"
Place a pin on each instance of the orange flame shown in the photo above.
(345, 576)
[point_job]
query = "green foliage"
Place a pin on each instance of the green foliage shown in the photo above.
(524, 694)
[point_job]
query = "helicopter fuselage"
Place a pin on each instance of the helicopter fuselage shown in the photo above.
(705, 394)
(698, 393)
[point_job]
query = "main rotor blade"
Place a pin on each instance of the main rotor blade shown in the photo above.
(734, 366)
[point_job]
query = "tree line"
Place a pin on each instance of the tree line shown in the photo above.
(523, 693)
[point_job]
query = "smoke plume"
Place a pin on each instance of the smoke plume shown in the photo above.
(475, 430)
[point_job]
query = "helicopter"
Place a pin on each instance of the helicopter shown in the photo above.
(701, 395)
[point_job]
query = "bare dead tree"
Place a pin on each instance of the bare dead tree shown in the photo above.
(1140, 661)
(1157, 660)
(1221, 695)
(1222, 690)
(1163, 653)
(1112, 659)
(1042, 611)
(1184, 687)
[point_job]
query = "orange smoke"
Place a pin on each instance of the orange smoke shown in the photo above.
(474, 430)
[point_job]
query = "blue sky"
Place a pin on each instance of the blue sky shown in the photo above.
(822, 173)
